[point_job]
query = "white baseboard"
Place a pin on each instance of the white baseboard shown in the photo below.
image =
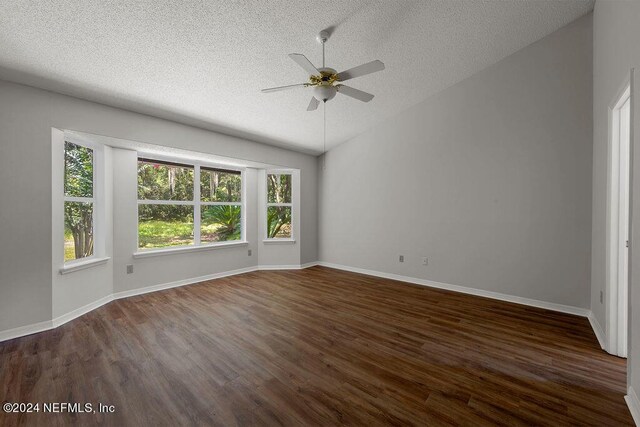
(67, 317)
(184, 282)
(309, 264)
(287, 267)
(23, 331)
(597, 329)
(465, 290)
(634, 404)
(279, 267)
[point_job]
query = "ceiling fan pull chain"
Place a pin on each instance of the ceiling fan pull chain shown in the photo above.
(324, 133)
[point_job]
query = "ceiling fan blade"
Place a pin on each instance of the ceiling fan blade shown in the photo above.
(354, 93)
(279, 88)
(361, 70)
(313, 105)
(302, 61)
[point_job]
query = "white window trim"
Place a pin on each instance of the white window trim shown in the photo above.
(197, 204)
(83, 263)
(98, 256)
(279, 240)
(186, 249)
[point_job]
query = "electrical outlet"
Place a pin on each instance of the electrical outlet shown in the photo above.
(601, 297)
(249, 252)
(129, 268)
(401, 258)
(425, 261)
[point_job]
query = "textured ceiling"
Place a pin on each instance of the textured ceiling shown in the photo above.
(204, 62)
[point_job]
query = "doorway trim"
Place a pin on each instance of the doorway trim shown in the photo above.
(618, 268)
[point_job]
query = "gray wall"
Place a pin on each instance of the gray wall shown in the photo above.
(616, 32)
(26, 118)
(490, 179)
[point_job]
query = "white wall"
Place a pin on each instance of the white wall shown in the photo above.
(26, 118)
(490, 179)
(616, 33)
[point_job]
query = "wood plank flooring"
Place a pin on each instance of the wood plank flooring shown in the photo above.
(316, 347)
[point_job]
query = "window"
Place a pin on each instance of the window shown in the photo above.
(79, 201)
(175, 211)
(165, 204)
(220, 205)
(279, 206)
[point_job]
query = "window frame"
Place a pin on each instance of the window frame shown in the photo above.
(291, 238)
(94, 200)
(196, 203)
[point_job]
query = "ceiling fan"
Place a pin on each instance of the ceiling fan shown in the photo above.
(326, 82)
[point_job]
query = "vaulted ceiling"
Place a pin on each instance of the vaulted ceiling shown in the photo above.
(204, 62)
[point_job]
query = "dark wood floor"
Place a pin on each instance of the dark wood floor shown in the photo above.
(316, 347)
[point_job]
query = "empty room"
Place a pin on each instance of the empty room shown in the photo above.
(371, 212)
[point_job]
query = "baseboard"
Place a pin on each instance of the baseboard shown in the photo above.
(634, 404)
(309, 264)
(279, 267)
(287, 267)
(23, 331)
(465, 290)
(178, 283)
(597, 329)
(67, 317)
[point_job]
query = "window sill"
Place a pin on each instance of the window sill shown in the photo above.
(186, 249)
(81, 265)
(279, 241)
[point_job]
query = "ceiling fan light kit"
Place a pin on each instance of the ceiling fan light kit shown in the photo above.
(324, 92)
